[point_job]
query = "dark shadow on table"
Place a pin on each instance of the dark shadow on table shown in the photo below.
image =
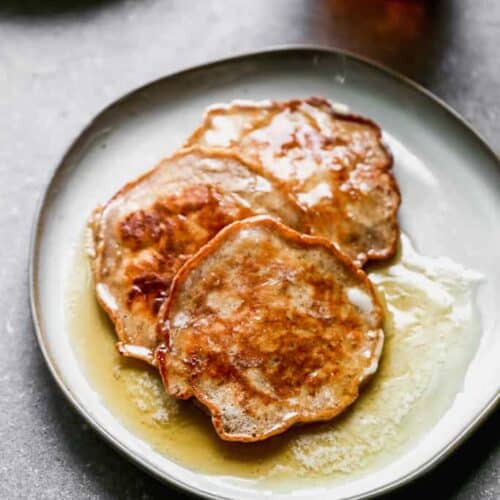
(40, 8)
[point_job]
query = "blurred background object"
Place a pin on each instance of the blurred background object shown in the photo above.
(398, 31)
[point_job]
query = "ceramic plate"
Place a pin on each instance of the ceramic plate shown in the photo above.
(450, 183)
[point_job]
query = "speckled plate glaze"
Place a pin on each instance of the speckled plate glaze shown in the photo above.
(450, 184)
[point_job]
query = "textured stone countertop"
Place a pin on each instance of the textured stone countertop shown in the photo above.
(61, 61)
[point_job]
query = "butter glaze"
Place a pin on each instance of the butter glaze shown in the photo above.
(334, 163)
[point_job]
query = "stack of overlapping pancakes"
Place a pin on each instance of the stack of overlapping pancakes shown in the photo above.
(235, 265)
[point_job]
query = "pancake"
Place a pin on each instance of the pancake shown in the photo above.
(334, 163)
(143, 235)
(266, 328)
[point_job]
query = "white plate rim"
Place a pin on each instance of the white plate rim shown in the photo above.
(36, 232)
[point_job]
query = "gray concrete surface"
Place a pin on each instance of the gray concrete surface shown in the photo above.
(62, 61)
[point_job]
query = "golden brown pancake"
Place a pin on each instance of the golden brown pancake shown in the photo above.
(143, 235)
(334, 163)
(267, 327)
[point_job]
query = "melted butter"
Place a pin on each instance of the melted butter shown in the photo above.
(431, 332)
(315, 195)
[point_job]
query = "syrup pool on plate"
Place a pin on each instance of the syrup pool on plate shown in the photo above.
(431, 332)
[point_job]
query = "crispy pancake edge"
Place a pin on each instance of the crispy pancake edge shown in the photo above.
(301, 239)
